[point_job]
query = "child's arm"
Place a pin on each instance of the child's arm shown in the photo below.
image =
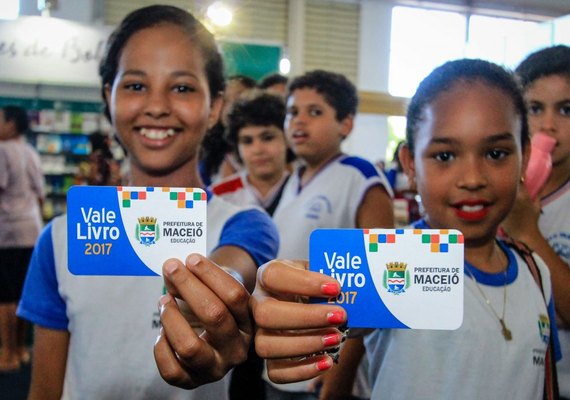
(49, 361)
(216, 336)
(375, 210)
(529, 233)
(290, 333)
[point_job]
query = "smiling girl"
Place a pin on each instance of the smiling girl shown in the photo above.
(162, 84)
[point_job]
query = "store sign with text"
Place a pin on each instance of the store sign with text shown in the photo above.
(51, 51)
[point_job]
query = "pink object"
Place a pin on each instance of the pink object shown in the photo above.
(540, 163)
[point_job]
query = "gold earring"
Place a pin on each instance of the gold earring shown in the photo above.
(522, 179)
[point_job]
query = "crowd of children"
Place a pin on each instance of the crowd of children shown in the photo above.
(270, 160)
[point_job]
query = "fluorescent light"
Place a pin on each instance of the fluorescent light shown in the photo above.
(219, 14)
(284, 66)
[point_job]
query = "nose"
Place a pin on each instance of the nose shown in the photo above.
(157, 104)
(548, 122)
(472, 175)
(256, 146)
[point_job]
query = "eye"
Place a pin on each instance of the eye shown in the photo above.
(565, 110)
(135, 87)
(184, 89)
(497, 154)
(245, 140)
(292, 112)
(315, 112)
(268, 137)
(534, 109)
(444, 156)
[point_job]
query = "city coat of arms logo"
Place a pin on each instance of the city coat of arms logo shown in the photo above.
(396, 278)
(147, 231)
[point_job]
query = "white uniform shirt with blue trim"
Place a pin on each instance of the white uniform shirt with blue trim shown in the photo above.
(554, 224)
(474, 361)
(114, 321)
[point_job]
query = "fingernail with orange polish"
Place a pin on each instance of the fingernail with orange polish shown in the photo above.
(324, 364)
(332, 339)
(330, 289)
(335, 317)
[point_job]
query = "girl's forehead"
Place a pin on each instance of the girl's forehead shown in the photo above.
(469, 113)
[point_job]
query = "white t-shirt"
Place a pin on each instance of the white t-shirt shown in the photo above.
(114, 321)
(554, 223)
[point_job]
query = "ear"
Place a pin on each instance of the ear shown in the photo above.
(107, 90)
(215, 110)
(346, 126)
(408, 164)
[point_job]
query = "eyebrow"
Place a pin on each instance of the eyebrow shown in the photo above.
(490, 139)
(138, 72)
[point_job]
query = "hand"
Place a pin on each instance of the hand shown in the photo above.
(201, 341)
(522, 221)
(291, 334)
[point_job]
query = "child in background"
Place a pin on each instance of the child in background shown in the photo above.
(545, 77)
(21, 197)
(467, 145)
(162, 82)
(329, 189)
(255, 129)
(274, 83)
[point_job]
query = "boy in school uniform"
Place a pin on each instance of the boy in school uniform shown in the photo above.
(255, 130)
(328, 189)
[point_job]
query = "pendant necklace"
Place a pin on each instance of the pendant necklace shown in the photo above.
(507, 334)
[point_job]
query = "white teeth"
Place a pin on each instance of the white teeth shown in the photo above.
(157, 134)
(476, 208)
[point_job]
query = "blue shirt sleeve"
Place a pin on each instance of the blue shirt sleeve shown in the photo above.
(253, 231)
(41, 302)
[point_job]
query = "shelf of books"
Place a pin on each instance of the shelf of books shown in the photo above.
(60, 133)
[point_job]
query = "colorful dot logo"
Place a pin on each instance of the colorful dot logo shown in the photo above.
(374, 239)
(184, 197)
(439, 242)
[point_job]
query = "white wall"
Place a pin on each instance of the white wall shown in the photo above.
(370, 135)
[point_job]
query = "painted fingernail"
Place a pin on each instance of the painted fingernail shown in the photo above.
(335, 317)
(330, 289)
(332, 339)
(324, 364)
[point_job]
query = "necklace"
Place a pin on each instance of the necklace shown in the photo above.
(507, 334)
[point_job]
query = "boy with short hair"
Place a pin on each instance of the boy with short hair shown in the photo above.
(329, 189)
(255, 130)
(545, 79)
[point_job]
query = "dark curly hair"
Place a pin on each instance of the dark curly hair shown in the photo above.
(553, 60)
(151, 16)
(272, 79)
(337, 90)
(446, 76)
(258, 108)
